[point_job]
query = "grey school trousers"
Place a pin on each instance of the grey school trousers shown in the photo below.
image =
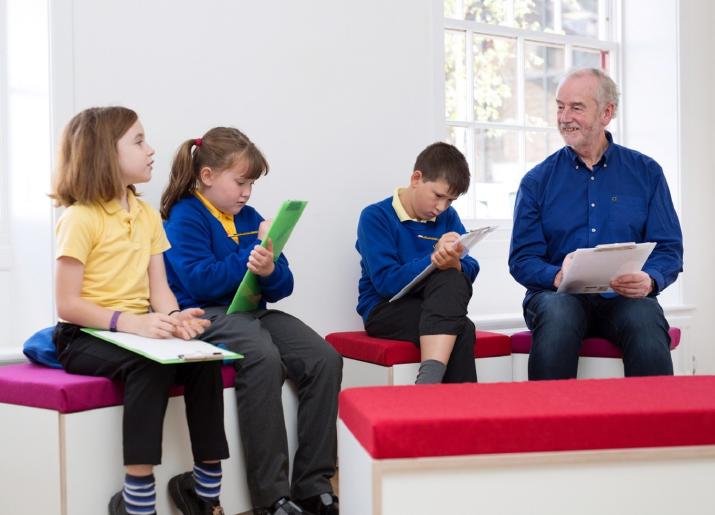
(277, 346)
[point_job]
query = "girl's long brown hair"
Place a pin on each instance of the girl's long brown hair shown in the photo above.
(88, 163)
(218, 149)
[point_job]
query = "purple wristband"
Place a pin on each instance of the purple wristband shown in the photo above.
(113, 321)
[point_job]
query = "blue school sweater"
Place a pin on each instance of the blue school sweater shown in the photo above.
(204, 265)
(393, 252)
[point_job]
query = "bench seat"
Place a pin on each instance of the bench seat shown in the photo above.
(599, 358)
(629, 445)
(369, 361)
(74, 423)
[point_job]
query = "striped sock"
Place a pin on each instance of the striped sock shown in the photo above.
(207, 480)
(139, 494)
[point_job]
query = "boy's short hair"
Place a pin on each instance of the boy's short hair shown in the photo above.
(444, 161)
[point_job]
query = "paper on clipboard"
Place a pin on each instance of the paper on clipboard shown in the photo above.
(468, 239)
(592, 269)
(166, 351)
(248, 293)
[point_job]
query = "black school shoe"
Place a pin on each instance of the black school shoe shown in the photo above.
(116, 504)
(181, 491)
(282, 506)
(323, 504)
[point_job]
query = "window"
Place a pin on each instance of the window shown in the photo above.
(503, 60)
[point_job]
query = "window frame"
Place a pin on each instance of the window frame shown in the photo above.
(608, 40)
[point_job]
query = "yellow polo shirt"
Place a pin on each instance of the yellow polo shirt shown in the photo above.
(226, 220)
(115, 246)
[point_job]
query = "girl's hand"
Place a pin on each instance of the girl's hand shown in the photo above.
(151, 325)
(190, 323)
(260, 261)
(263, 228)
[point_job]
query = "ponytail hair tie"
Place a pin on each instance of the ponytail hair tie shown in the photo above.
(198, 142)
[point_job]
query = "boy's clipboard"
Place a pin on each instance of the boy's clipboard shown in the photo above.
(248, 294)
(468, 239)
(592, 269)
(166, 351)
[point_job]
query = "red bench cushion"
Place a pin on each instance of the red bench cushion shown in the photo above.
(541, 416)
(590, 348)
(358, 345)
(50, 388)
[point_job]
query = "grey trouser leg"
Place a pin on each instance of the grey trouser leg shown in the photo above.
(277, 345)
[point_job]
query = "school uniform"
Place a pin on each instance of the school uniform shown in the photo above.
(115, 246)
(394, 248)
(205, 265)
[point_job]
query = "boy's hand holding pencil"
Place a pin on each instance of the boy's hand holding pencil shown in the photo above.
(448, 251)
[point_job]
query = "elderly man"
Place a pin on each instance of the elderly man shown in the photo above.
(592, 192)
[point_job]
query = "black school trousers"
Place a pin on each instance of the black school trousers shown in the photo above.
(438, 305)
(146, 394)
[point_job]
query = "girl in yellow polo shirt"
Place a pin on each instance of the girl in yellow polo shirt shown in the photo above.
(110, 274)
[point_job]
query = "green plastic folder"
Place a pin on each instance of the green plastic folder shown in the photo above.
(248, 294)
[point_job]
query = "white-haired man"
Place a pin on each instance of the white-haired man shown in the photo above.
(593, 192)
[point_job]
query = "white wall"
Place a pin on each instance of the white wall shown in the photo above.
(338, 95)
(697, 139)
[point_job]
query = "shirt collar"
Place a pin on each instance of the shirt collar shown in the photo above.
(402, 212)
(113, 206)
(220, 215)
(607, 154)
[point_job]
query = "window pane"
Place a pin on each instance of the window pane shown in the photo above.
(497, 172)
(534, 14)
(487, 11)
(455, 75)
(544, 67)
(580, 17)
(585, 58)
(540, 145)
(464, 204)
(494, 79)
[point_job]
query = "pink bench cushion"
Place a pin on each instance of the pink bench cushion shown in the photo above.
(540, 416)
(358, 345)
(590, 348)
(50, 388)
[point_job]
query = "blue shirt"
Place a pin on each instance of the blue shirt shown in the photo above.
(394, 252)
(561, 206)
(204, 266)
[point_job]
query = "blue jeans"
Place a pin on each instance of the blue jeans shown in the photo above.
(560, 321)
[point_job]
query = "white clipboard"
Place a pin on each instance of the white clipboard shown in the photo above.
(468, 240)
(165, 350)
(593, 269)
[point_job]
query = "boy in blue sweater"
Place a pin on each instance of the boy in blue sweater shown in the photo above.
(400, 236)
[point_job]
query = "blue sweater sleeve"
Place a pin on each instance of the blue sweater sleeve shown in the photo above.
(378, 247)
(470, 266)
(662, 226)
(527, 254)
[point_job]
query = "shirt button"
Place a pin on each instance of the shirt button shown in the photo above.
(605, 165)
(593, 178)
(576, 167)
(593, 204)
(593, 229)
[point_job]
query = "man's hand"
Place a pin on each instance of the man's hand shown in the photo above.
(568, 259)
(260, 261)
(448, 251)
(635, 286)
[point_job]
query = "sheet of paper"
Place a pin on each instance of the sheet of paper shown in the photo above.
(592, 269)
(165, 350)
(248, 293)
(468, 240)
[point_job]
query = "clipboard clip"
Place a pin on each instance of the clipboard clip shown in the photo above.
(616, 246)
(199, 356)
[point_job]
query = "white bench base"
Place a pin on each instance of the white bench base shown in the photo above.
(362, 373)
(652, 481)
(588, 368)
(71, 464)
